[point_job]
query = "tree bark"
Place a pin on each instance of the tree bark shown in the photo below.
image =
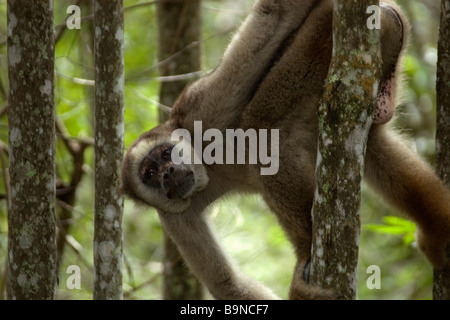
(31, 117)
(109, 148)
(179, 25)
(441, 284)
(345, 117)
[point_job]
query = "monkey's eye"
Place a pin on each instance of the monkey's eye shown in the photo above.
(149, 174)
(166, 155)
(148, 170)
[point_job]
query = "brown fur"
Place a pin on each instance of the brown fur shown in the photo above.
(272, 76)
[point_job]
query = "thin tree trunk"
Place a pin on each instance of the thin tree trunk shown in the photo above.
(31, 117)
(441, 285)
(345, 117)
(179, 26)
(109, 147)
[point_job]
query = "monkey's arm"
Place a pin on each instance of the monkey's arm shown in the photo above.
(410, 185)
(192, 233)
(228, 89)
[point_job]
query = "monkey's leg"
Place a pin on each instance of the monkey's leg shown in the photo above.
(291, 200)
(409, 184)
(247, 59)
(199, 246)
(298, 229)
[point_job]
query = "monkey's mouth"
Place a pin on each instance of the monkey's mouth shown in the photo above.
(181, 188)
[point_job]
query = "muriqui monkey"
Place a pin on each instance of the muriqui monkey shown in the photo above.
(272, 76)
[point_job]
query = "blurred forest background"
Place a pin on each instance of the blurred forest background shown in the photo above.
(249, 230)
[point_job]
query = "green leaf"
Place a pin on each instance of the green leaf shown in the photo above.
(395, 226)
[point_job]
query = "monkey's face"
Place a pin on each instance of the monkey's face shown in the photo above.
(157, 171)
(150, 176)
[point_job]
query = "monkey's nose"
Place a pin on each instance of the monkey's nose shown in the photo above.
(168, 173)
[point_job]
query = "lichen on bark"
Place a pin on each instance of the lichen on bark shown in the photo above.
(31, 116)
(345, 117)
(441, 284)
(109, 140)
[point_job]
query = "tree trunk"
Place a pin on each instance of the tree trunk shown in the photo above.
(345, 117)
(31, 116)
(109, 148)
(179, 26)
(441, 285)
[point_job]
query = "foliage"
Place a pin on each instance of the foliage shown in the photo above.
(396, 226)
(250, 231)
